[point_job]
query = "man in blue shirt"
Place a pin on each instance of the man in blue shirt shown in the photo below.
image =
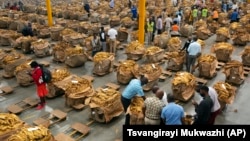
(134, 12)
(234, 16)
(134, 88)
(194, 51)
(172, 114)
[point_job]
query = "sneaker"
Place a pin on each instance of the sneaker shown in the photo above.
(39, 107)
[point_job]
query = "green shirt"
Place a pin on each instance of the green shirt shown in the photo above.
(195, 13)
(204, 12)
(150, 26)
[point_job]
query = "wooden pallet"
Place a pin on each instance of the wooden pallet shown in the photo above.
(234, 83)
(246, 71)
(164, 75)
(113, 86)
(90, 78)
(200, 81)
(74, 133)
(6, 90)
(220, 65)
(23, 105)
(51, 118)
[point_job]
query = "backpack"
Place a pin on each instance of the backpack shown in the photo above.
(46, 74)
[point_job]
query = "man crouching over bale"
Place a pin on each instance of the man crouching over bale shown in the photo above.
(134, 88)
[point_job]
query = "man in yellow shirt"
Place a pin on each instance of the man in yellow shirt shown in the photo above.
(195, 14)
(150, 29)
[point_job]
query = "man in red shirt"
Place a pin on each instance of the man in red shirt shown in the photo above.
(41, 86)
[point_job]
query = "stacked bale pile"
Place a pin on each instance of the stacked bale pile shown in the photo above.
(57, 75)
(105, 105)
(75, 56)
(135, 110)
(22, 73)
(135, 50)
(126, 71)
(58, 51)
(226, 93)
(234, 72)
(103, 63)
(223, 51)
(32, 133)
(154, 54)
(9, 124)
(207, 65)
(24, 43)
(183, 86)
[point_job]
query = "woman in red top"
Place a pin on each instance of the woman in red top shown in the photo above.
(41, 86)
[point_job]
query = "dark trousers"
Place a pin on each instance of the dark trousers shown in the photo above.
(191, 61)
(213, 116)
(159, 31)
(126, 102)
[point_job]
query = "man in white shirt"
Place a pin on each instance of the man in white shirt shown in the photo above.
(194, 50)
(159, 25)
(168, 22)
(112, 33)
(216, 109)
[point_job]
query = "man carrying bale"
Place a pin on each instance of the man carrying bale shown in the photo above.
(134, 88)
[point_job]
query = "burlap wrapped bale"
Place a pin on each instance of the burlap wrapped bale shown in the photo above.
(13, 25)
(223, 51)
(223, 19)
(105, 105)
(75, 39)
(103, 63)
(57, 75)
(135, 110)
(82, 16)
(41, 10)
(126, 71)
(226, 93)
(20, 25)
(58, 51)
(200, 23)
(10, 124)
(154, 54)
(94, 17)
(94, 29)
(115, 21)
(245, 56)
(41, 48)
(234, 72)
(2, 55)
(74, 25)
(125, 13)
(32, 17)
(22, 74)
(186, 30)
(61, 21)
(75, 57)
(135, 50)
(7, 37)
(18, 43)
(241, 36)
(152, 72)
(122, 34)
(4, 22)
(32, 133)
(174, 44)
(10, 62)
(66, 33)
(203, 33)
(55, 32)
(76, 89)
(222, 34)
(127, 22)
(84, 27)
(202, 43)
(213, 26)
(183, 86)
(29, 8)
(207, 65)
(104, 19)
(26, 43)
(233, 26)
(134, 35)
(175, 60)
(162, 40)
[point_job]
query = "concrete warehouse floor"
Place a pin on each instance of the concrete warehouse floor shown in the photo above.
(113, 130)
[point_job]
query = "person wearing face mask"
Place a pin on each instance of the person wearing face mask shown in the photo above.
(203, 109)
(133, 89)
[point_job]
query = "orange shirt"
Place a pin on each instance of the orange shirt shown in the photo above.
(215, 14)
(175, 28)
